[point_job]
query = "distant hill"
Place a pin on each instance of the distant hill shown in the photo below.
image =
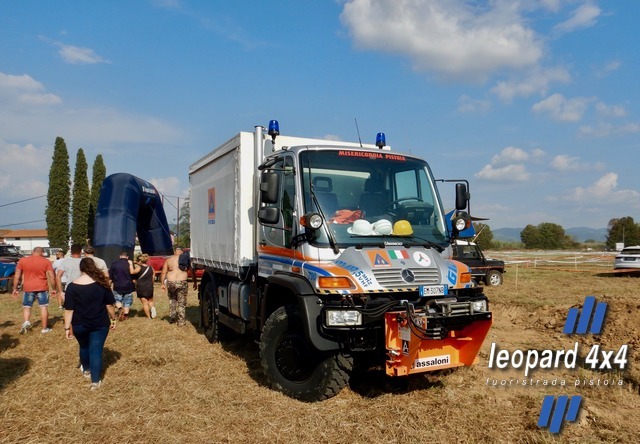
(507, 234)
(580, 234)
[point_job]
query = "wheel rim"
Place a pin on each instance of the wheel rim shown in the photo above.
(208, 313)
(294, 358)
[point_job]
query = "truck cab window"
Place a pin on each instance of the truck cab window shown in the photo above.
(279, 234)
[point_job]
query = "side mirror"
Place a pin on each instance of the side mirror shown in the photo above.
(269, 186)
(462, 196)
(269, 215)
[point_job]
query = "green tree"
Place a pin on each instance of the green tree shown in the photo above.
(484, 235)
(623, 230)
(546, 236)
(184, 224)
(80, 205)
(59, 196)
(530, 237)
(99, 174)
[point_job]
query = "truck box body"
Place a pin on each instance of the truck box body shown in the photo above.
(221, 205)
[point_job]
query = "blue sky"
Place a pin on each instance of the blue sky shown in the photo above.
(535, 102)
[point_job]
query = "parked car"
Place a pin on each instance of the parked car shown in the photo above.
(629, 257)
(7, 271)
(157, 263)
(483, 269)
(10, 252)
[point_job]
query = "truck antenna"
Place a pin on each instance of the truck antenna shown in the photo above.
(358, 131)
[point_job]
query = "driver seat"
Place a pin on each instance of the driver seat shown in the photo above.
(374, 199)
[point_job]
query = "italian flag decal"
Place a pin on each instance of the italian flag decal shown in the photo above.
(398, 254)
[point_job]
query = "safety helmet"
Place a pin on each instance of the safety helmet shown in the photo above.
(402, 228)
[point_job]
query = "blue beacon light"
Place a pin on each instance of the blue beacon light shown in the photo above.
(381, 140)
(274, 129)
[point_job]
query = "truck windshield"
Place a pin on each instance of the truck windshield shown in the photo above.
(364, 194)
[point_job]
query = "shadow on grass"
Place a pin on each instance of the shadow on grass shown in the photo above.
(619, 273)
(7, 341)
(368, 382)
(11, 369)
(109, 357)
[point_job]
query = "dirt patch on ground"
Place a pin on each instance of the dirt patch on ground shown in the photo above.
(168, 384)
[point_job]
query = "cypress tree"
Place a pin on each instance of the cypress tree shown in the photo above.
(99, 174)
(59, 196)
(80, 206)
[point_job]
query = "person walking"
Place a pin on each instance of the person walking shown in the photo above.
(89, 251)
(69, 269)
(120, 273)
(56, 266)
(36, 274)
(143, 277)
(176, 275)
(90, 312)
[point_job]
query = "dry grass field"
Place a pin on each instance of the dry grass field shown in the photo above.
(165, 384)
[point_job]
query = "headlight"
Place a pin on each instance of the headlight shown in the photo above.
(312, 221)
(343, 318)
(461, 224)
(479, 305)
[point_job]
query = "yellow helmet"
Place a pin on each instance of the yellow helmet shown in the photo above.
(402, 228)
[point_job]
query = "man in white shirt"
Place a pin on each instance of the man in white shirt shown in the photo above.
(69, 268)
(89, 251)
(56, 266)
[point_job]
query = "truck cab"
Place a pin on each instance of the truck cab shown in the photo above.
(483, 269)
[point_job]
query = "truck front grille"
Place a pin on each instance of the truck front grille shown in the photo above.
(392, 277)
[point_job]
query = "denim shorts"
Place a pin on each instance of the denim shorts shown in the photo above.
(30, 296)
(125, 299)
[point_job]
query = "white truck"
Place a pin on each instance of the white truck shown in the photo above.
(329, 254)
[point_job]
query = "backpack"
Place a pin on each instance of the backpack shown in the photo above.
(184, 262)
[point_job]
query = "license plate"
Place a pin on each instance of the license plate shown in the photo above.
(434, 290)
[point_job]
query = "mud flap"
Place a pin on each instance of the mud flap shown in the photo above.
(409, 353)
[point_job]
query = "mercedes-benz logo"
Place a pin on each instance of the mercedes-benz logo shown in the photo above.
(407, 275)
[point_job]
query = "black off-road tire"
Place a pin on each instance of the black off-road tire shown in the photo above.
(209, 307)
(493, 278)
(293, 366)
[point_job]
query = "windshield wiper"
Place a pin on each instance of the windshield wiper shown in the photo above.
(330, 236)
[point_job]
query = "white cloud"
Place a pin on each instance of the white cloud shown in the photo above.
(23, 170)
(452, 38)
(24, 89)
(604, 191)
(508, 173)
(608, 69)
(536, 82)
(167, 185)
(603, 129)
(564, 162)
(562, 109)
(512, 154)
(509, 165)
(583, 16)
(611, 110)
(468, 105)
(23, 97)
(76, 55)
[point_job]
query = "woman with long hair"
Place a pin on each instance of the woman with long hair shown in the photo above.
(143, 277)
(89, 310)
